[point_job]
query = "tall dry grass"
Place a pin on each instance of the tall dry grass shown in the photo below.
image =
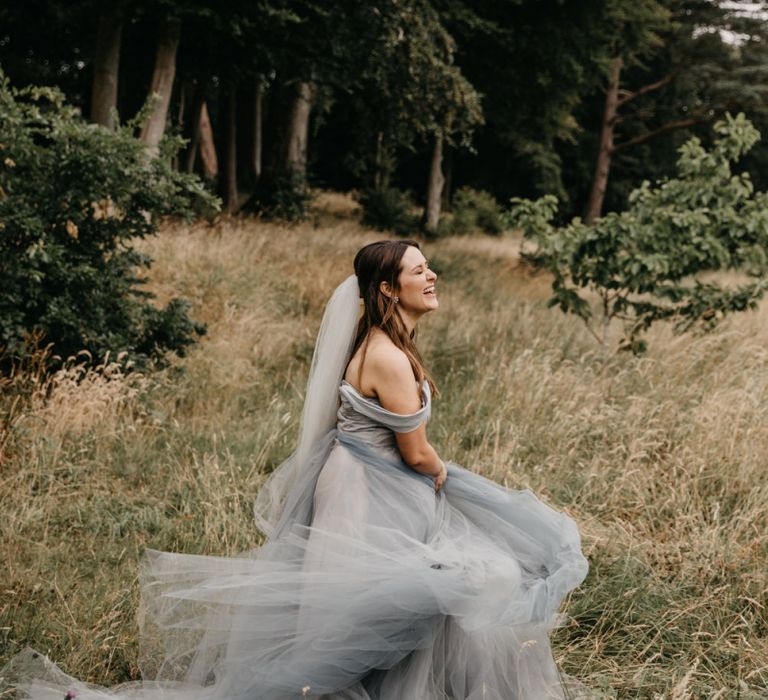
(661, 459)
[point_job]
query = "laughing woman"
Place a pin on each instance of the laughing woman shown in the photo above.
(387, 572)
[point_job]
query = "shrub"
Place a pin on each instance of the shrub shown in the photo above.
(73, 198)
(284, 197)
(475, 210)
(389, 209)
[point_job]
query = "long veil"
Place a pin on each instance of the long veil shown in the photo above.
(329, 361)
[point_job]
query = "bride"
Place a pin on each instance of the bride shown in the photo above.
(387, 573)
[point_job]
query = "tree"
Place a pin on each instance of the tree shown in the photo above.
(229, 183)
(258, 111)
(654, 261)
(411, 94)
(290, 131)
(106, 63)
(163, 76)
(533, 62)
(435, 184)
(686, 71)
(636, 27)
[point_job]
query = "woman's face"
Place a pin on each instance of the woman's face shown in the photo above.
(417, 284)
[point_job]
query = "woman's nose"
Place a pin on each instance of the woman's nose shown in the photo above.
(433, 275)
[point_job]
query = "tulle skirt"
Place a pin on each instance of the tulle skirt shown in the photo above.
(371, 586)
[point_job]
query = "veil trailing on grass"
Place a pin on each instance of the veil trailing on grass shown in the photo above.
(329, 361)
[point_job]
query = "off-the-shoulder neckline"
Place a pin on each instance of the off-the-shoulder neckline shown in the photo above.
(372, 398)
(358, 392)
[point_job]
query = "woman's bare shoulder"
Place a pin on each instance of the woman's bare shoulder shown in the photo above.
(386, 359)
(391, 378)
(384, 365)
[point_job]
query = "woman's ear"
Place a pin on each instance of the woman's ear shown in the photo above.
(386, 289)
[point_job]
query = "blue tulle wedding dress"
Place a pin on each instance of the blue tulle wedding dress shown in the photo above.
(370, 585)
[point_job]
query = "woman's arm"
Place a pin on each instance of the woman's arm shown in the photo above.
(420, 455)
(392, 379)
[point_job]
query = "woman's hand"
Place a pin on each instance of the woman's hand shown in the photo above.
(441, 477)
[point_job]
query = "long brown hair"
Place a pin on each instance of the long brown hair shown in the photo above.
(376, 263)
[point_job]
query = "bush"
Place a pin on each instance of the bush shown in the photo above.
(284, 197)
(389, 209)
(475, 210)
(73, 197)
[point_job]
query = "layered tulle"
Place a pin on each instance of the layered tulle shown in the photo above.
(384, 590)
(370, 587)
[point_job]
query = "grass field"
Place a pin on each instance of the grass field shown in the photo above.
(661, 459)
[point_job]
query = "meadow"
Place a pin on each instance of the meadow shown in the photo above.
(661, 458)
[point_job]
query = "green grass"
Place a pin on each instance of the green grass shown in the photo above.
(661, 459)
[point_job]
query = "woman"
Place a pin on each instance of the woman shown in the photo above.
(387, 574)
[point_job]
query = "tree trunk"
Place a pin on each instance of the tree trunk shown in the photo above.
(194, 136)
(207, 146)
(378, 165)
(603, 165)
(229, 189)
(297, 136)
(187, 90)
(106, 63)
(448, 158)
(162, 84)
(384, 163)
(258, 100)
(290, 107)
(435, 183)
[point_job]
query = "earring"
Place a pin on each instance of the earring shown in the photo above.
(397, 299)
